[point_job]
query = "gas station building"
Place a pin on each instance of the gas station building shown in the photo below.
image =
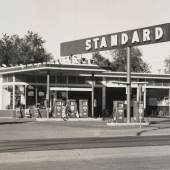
(43, 84)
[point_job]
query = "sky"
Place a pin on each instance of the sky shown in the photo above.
(65, 20)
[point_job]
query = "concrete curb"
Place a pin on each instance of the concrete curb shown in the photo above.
(69, 120)
(128, 124)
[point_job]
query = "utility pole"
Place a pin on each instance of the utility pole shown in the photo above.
(128, 85)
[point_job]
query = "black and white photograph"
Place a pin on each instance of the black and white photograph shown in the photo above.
(85, 85)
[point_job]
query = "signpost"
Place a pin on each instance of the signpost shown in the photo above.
(136, 37)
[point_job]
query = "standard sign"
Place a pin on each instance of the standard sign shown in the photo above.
(148, 35)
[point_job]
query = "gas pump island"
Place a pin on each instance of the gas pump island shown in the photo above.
(126, 39)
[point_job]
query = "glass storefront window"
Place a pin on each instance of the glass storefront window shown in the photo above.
(82, 80)
(30, 79)
(7, 78)
(72, 80)
(7, 97)
(20, 78)
(98, 80)
(41, 95)
(166, 82)
(52, 79)
(155, 82)
(30, 96)
(61, 79)
(20, 95)
(110, 79)
(41, 79)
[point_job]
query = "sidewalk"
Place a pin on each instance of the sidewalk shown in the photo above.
(9, 120)
(20, 129)
(26, 129)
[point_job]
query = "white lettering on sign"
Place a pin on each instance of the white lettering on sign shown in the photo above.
(158, 33)
(88, 45)
(114, 40)
(135, 37)
(96, 40)
(124, 38)
(103, 43)
(146, 35)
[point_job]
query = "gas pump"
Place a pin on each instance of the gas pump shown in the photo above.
(72, 107)
(118, 111)
(135, 111)
(138, 111)
(141, 112)
(138, 106)
(58, 108)
(83, 108)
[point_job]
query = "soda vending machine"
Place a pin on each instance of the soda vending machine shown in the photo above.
(58, 104)
(118, 111)
(83, 108)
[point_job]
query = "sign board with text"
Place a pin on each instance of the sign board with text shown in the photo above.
(142, 36)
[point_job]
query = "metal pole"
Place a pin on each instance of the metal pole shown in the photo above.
(128, 85)
(48, 93)
(169, 101)
(13, 98)
(25, 86)
(67, 88)
(92, 96)
(36, 96)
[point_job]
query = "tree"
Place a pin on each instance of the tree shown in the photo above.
(119, 60)
(167, 65)
(100, 60)
(29, 49)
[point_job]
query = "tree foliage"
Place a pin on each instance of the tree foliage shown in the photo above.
(15, 50)
(167, 65)
(119, 62)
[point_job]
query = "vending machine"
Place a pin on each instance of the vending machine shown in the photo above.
(58, 104)
(83, 108)
(118, 111)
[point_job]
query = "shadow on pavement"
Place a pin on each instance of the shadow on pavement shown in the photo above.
(157, 123)
(15, 121)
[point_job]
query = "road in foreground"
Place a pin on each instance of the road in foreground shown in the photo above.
(82, 143)
(132, 158)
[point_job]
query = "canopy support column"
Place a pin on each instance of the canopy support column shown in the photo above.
(48, 94)
(92, 96)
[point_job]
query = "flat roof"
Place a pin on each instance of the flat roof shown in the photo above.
(82, 68)
(85, 69)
